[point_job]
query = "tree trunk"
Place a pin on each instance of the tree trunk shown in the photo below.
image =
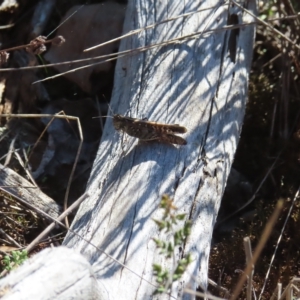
(200, 83)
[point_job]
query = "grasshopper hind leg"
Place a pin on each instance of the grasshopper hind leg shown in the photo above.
(166, 138)
(173, 139)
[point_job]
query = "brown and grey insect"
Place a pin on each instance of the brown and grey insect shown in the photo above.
(150, 131)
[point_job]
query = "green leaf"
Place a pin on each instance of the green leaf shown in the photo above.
(170, 248)
(159, 243)
(165, 275)
(180, 217)
(189, 258)
(176, 277)
(161, 224)
(187, 228)
(157, 268)
(179, 270)
(160, 290)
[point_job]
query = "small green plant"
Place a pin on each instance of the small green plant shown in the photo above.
(164, 277)
(15, 260)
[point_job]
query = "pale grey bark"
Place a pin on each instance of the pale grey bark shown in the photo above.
(199, 83)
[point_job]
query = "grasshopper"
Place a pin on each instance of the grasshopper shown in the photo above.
(150, 131)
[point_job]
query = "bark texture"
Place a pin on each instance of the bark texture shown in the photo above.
(199, 83)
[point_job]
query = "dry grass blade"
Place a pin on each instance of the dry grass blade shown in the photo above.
(220, 288)
(34, 44)
(264, 237)
(133, 32)
(203, 295)
(9, 238)
(10, 150)
(53, 224)
(17, 155)
(279, 287)
(248, 251)
(288, 293)
(277, 291)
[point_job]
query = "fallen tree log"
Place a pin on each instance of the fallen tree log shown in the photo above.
(58, 273)
(28, 194)
(199, 81)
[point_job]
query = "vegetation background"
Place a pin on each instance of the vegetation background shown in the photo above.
(266, 166)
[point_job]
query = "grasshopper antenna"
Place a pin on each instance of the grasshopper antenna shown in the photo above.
(109, 107)
(103, 117)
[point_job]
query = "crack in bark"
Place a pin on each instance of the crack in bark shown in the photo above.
(128, 243)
